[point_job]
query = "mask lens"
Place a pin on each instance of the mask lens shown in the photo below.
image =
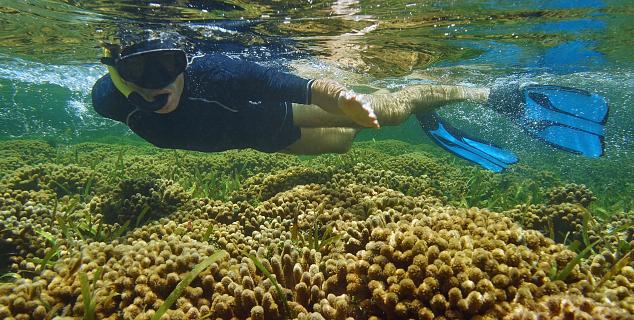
(172, 63)
(152, 70)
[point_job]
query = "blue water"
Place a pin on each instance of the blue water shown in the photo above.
(48, 61)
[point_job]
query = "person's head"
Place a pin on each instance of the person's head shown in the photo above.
(148, 72)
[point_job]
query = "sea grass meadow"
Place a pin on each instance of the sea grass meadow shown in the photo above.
(95, 223)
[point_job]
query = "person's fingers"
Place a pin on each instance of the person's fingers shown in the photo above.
(359, 109)
(364, 102)
(366, 110)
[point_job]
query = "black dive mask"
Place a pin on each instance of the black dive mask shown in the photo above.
(153, 69)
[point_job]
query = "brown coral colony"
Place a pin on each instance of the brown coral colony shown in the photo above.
(338, 239)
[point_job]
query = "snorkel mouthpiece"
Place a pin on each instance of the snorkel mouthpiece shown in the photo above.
(133, 97)
(154, 105)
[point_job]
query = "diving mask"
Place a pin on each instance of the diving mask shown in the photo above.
(151, 69)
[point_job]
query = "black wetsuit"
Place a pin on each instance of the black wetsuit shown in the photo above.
(226, 104)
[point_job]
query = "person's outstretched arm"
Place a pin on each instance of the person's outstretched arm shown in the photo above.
(259, 82)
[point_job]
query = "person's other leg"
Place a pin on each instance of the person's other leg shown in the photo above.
(392, 108)
(312, 116)
(322, 140)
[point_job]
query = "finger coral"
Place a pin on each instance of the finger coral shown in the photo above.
(304, 240)
(571, 193)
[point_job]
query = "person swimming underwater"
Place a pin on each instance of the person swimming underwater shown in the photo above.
(215, 102)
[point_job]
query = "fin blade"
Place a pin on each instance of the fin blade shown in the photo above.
(455, 141)
(537, 118)
(574, 102)
(569, 119)
(499, 153)
(574, 141)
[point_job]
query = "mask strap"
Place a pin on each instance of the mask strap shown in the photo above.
(115, 76)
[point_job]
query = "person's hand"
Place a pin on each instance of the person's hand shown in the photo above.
(358, 108)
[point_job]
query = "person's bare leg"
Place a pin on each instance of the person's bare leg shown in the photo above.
(323, 140)
(393, 108)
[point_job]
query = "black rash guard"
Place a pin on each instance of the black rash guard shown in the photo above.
(226, 104)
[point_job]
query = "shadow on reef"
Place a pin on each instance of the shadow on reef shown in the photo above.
(386, 231)
(140, 200)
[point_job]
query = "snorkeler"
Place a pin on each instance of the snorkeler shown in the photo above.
(214, 103)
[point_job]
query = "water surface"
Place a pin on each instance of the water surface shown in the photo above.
(49, 52)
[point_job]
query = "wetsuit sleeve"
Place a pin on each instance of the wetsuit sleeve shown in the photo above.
(276, 84)
(259, 82)
(108, 101)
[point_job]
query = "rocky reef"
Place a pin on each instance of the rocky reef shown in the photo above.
(116, 232)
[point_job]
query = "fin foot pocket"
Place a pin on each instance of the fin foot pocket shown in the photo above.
(569, 119)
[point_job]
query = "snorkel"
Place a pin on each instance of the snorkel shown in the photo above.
(133, 97)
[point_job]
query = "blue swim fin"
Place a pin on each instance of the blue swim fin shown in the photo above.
(566, 118)
(457, 142)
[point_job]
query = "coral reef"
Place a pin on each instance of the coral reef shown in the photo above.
(572, 222)
(391, 147)
(21, 213)
(152, 198)
(566, 307)
(619, 288)
(571, 193)
(263, 186)
(17, 153)
(363, 174)
(63, 180)
(458, 263)
(423, 260)
(354, 236)
(559, 221)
